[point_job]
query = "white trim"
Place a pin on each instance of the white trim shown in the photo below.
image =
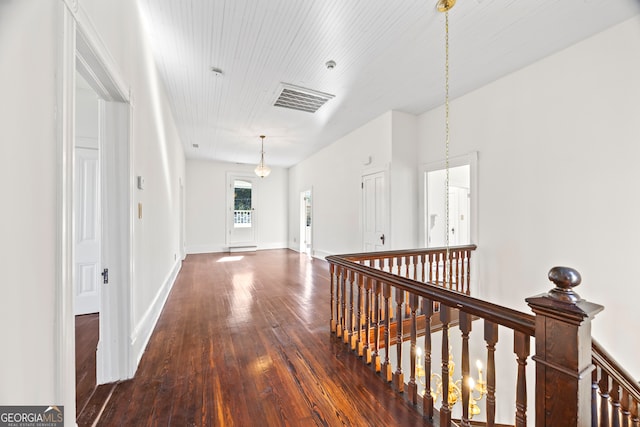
(65, 384)
(321, 254)
(96, 65)
(255, 193)
(95, 59)
(210, 248)
(144, 329)
(205, 249)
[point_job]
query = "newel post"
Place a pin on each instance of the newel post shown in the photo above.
(563, 352)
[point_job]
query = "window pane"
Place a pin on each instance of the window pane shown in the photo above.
(242, 203)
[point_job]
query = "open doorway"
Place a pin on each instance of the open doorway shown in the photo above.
(462, 209)
(305, 222)
(101, 206)
(87, 241)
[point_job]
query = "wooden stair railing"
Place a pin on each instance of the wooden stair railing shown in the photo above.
(382, 299)
(615, 398)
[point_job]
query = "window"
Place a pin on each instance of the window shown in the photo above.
(242, 207)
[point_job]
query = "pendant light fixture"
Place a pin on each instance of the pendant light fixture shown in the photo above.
(261, 170)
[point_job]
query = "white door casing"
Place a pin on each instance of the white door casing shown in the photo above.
(374, 212)
(87, 231)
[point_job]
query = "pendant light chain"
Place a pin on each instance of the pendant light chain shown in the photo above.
(446, 161)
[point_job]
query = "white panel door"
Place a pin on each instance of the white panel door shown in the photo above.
(374, 209)
(87, 244)
(242, 222)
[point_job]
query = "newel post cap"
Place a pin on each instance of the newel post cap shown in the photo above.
(565, 279)
(562, 298)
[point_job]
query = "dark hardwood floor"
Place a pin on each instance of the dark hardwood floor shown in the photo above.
(247, 343)
(86, 344)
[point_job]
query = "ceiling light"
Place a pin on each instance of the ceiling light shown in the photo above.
(330, 65)
(261, 170)
(217, 71)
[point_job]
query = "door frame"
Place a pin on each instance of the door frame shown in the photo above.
(232, 176)
(82, 49)
(470, 159)
(308, 249)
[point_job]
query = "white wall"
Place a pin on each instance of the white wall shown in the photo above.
(29, 175)
(403, 179)
(206, 195)
(558, 151)
(158, 156)
(28, 219)
(335, 174)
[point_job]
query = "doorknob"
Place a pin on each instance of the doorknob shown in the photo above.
(382, 238)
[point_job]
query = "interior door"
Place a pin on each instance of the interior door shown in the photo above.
(242, 227)
(87, 245)
(374, 210)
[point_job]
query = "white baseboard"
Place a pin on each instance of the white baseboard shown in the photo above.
(205, 249)
(208, 249)
(144, 328)
(320, 254)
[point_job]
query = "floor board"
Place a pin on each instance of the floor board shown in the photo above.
(86, 345)
(247, 343)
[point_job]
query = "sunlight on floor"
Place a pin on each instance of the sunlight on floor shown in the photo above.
(231, 258)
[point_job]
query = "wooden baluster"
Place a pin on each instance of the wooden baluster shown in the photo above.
(521, 349)
(433, 260)
(450, 278)
(386, 365)
(604, 399)
(356, 339)
(594, 397)
(457, 274)
(624, 407)
(349, 332)
(463, 274)
(465, 329)
(615, 404)
(491, 338)
(423, 264)
(376, 337)
(635, 413)
(342, 310)
(413, 386)
(398, 376)
(415, 260)
(332, 320)
(468, 279)
(364, 348)
(438, 270)
(427, 399)
(407, 266)
(445, 410)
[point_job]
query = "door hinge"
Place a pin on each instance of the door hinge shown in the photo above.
(362, 185)
(105, 276)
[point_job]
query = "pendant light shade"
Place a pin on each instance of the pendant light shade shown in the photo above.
(262, 170)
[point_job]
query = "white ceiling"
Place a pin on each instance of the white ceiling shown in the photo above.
(389, 55)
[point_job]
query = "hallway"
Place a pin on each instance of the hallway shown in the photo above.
(244, 341)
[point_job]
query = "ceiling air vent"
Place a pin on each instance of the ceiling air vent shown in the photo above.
(301, 99)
